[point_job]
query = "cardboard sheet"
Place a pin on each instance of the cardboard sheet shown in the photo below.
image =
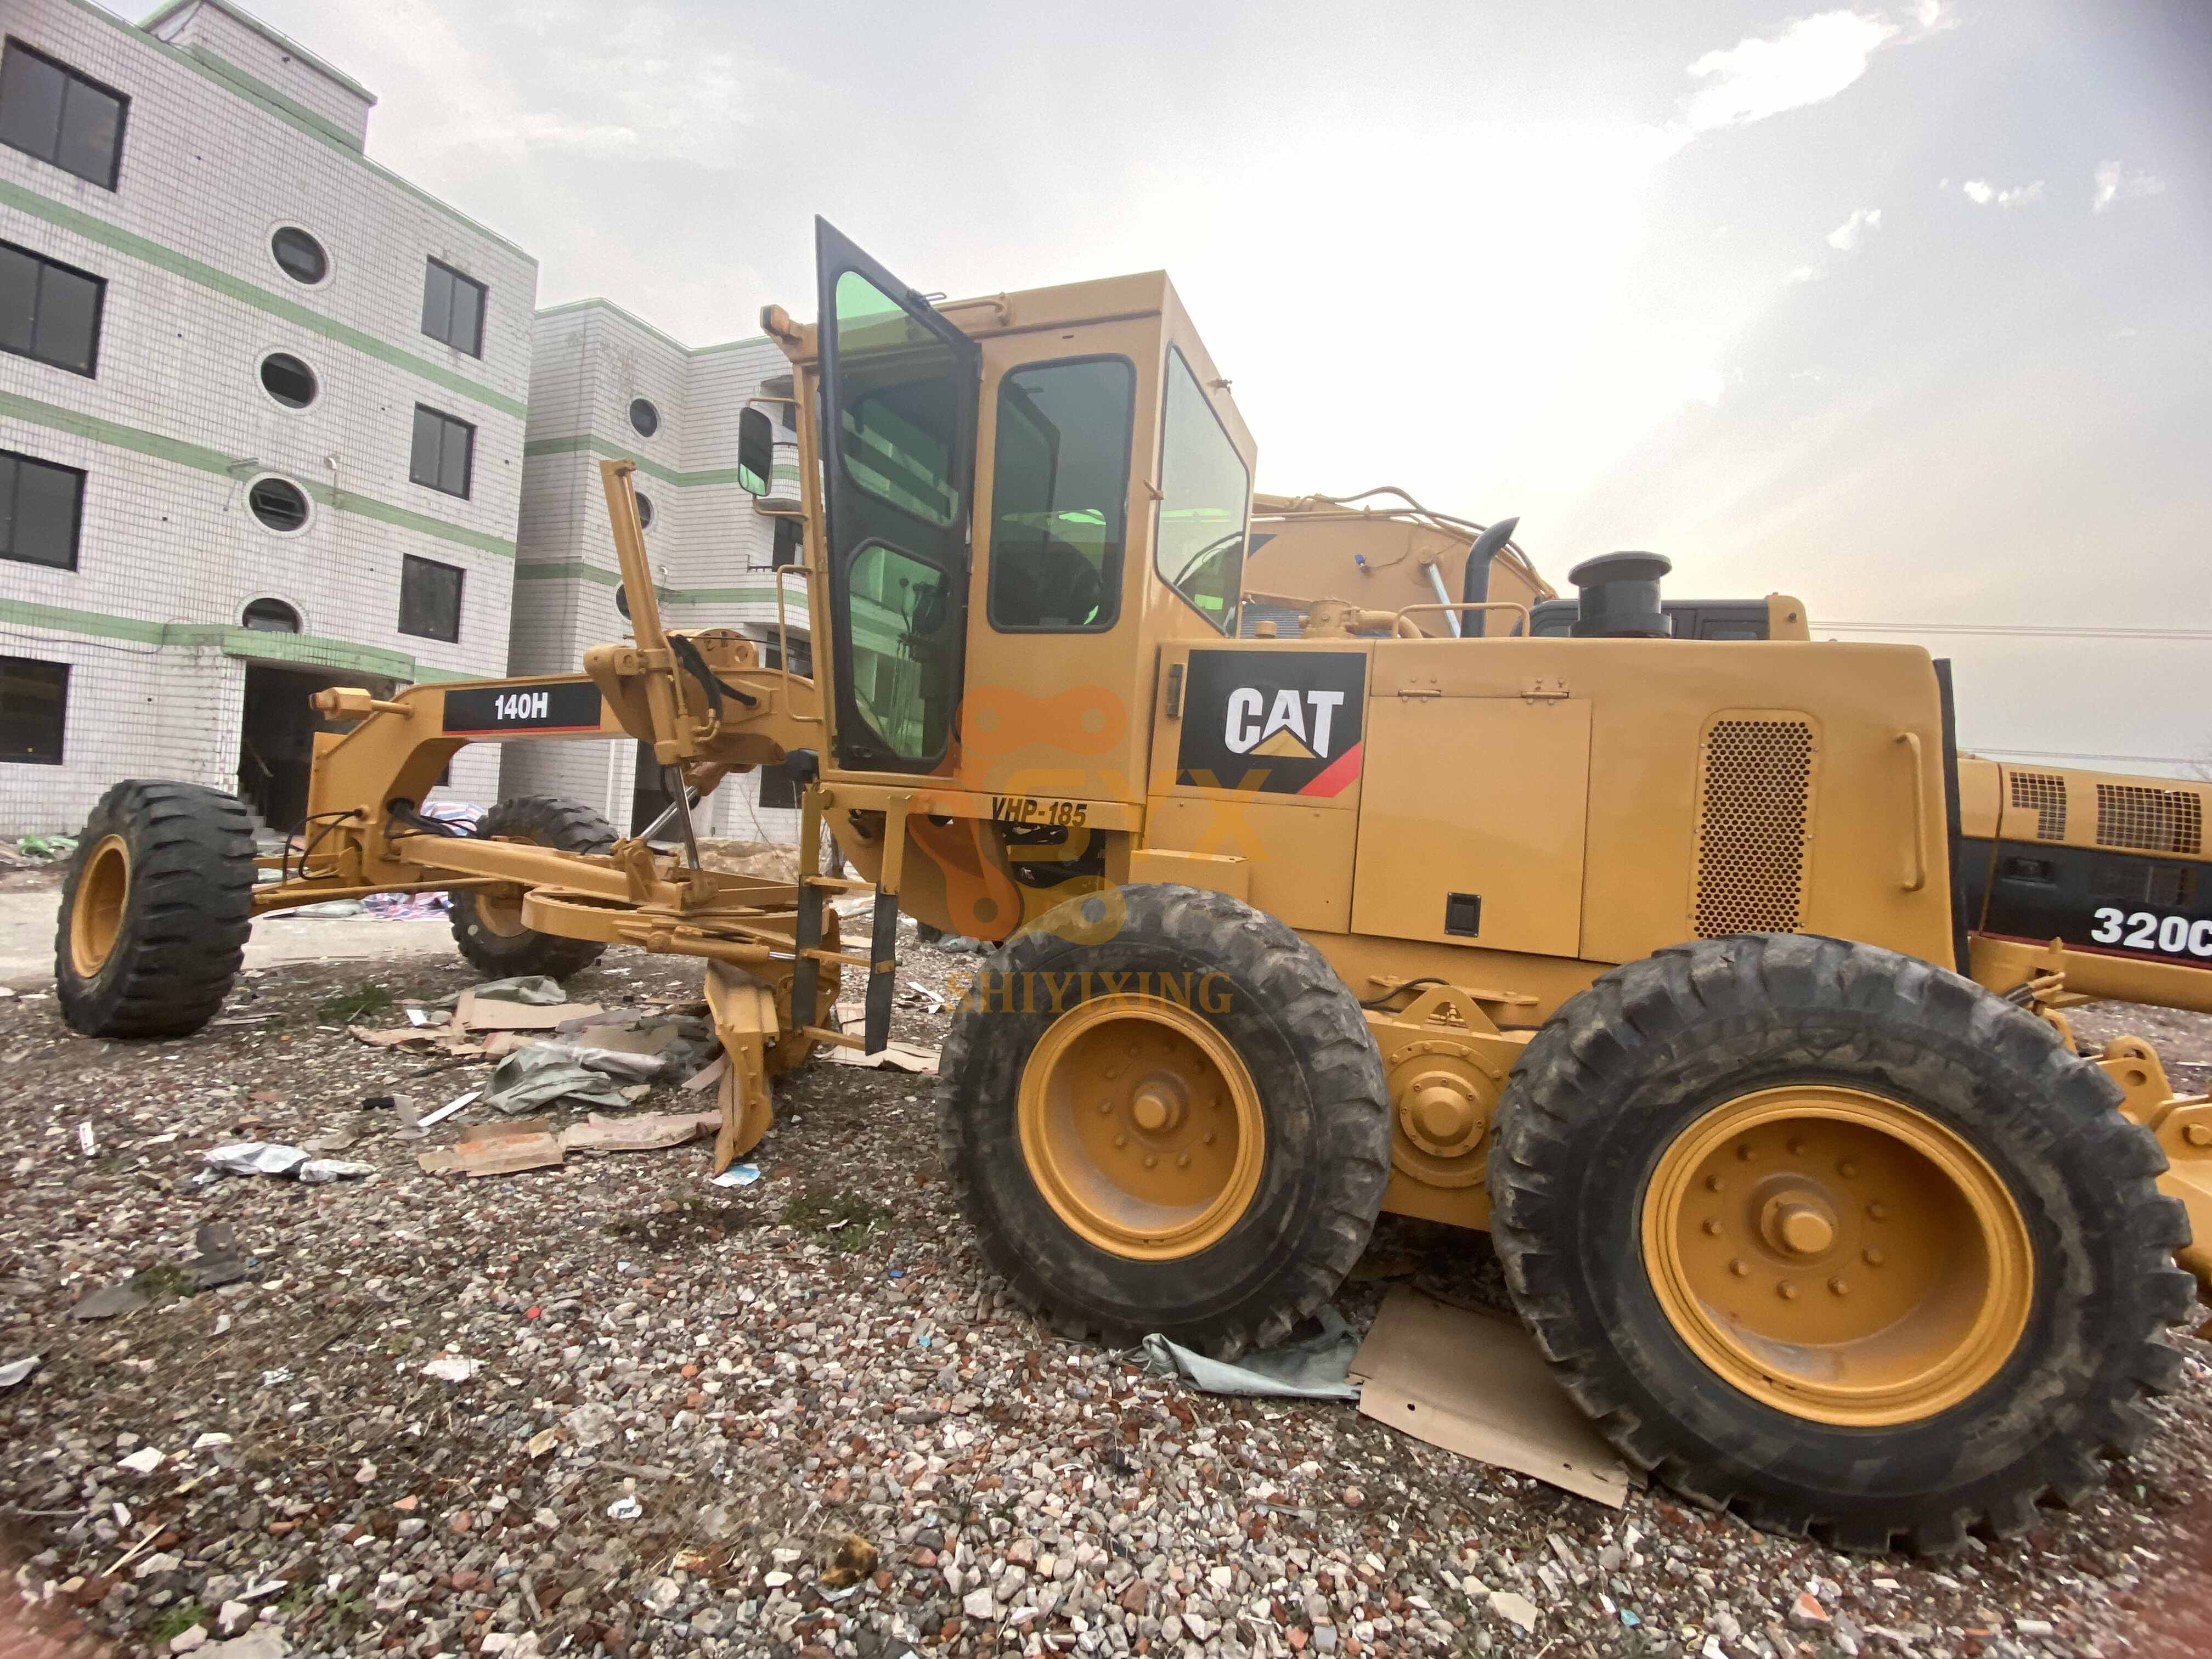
(1474, 1383)
(474, 1013)
(895, 1057)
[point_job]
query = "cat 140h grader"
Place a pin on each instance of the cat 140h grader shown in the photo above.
(1640, 954)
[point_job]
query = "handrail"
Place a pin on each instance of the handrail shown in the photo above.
(1917, 868)
(783, 640)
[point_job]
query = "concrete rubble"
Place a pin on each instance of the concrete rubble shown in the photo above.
(613, 1409)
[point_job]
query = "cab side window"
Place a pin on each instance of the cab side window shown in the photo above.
(1059, 495)
(1205, 493)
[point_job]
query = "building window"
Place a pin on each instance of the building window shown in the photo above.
(48, 311)
(299, 255)
(644, 510)
(49, 111)
(454, 309)
(41, 510)
(33, 710)
(790, 538)
(430, 598)
(279, 503)
(445, 448)
(644, 416)
(271, 616)
(288, 380)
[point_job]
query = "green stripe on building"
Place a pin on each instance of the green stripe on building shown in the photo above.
(200, 459)
(151, 252)
(307, 649)
(588, 443)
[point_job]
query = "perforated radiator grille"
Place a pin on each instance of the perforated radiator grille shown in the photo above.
(2149, 820)
(1754, 796)
(2044, 794)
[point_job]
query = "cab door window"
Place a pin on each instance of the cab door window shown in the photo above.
(1059, 495)
(1204, 494)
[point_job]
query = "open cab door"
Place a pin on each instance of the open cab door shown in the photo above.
(898, 442)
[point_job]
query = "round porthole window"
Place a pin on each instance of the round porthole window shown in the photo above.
(644, 511)
(271, 616)
(299, 255)
(288, 380)
(279, 503)
(644, 416)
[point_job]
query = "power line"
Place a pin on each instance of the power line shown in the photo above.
(2028, 629)
(2069, 754)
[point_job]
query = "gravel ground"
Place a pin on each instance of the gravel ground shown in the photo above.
(797, 1417)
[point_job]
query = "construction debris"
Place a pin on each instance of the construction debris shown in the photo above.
(263, 1157)
(895, 1056)
(1311, 1369)
(218, 1262)
(541, 1074)
(508, 1148)
(17, 1371)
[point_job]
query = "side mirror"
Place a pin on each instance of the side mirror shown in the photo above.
(756, 450)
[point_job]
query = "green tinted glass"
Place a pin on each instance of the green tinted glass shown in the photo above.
(906, 647)
(1059, 494)
(1198, 549)
(895, 422)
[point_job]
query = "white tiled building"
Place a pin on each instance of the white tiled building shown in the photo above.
(261, 409)
(604, 384)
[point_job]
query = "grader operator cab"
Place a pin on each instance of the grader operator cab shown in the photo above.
(1640, 955)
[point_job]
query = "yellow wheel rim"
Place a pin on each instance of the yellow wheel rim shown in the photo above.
(498, 910)
(1838, 1255)
(1141, 1127)
(96, 917)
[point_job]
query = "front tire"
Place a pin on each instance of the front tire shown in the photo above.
(1183, 1127)
(488, 921)
(1837, 1240)
(155, 911)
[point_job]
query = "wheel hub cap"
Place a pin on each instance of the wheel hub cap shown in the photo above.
(1837, 1254)
(103, 889)
(1141, 1127)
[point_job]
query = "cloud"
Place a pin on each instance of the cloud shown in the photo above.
(1981, 192)
(2114, 181)
(1934, 16)
(1809, 62)
(1847, 235)
(1804, 274)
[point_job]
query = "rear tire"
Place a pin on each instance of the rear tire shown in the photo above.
(1251, 1102)
(1695, 1154)
(155, 911)
(488, 921)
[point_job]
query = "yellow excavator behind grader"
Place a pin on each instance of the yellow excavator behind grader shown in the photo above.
(1645, 955)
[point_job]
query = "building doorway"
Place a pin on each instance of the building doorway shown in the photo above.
(276, 737)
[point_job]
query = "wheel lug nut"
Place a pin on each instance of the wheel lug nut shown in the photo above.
(1209, 1137)
(1712, 1230)
(1182, 1160)
(1120, 1140)
(1871, 1256)
(1786, 1291)
(1847, 1169)
(1740, 1267)
(1798, 1147)
(1150, 1160)
(1105, 1106)
(1841, 1287)
(1746, 1151)
(1878, 1211)
(1712, 1183)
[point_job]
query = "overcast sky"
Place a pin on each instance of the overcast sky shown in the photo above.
(1907, 309)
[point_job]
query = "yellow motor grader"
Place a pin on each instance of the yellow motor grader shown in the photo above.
(1647, 957)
